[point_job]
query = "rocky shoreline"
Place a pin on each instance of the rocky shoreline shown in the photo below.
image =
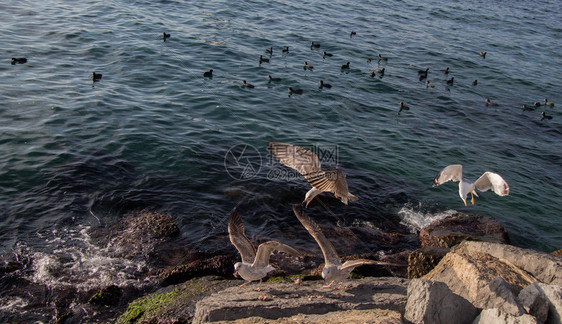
(465, 271)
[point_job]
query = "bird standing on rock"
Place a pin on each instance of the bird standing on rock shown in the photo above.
(254, 265)
(333, 269)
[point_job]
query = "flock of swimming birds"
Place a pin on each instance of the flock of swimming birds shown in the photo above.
(255, 265)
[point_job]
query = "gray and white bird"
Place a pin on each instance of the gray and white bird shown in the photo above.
(488, 180)
(254, 265)
(307, 164)
(334, 270)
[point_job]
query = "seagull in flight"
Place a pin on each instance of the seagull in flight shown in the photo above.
(254, 265)
(488, 180)
(307, 164)
(333, 269)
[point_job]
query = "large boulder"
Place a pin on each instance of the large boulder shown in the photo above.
(534, 302)
(219, 265)
(496, 316)
(434, 302)
(467, 271)
(545, 267)
(452, 230)
(277, 300)
(498, 294)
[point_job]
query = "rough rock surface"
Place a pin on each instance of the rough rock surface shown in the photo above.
(467, 271)
(498, 294)
(459, 227)
(374, 316)
(495, 316)
(546, 267)
(174, 304)
(219, 265)
(553, 295)
(422, 260)
(534, 302)
(434, 302)
(276, 300)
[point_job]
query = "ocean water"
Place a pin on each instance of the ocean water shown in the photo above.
(77, 155)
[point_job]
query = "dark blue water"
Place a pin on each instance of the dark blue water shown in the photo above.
(154, 133)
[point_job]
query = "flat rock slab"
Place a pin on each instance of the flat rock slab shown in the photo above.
(372, 316)
(277, 300)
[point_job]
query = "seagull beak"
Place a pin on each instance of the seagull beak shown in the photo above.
(235, 274)
(307, 202)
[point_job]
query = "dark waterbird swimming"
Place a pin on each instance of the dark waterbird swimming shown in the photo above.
(273, 79)
(96, 76)
(403, 107)
(269, 50)
(382, 58)
(164, 36)
(450, 81)
(18, 60)
(325, 85)
(545, 116)
(208, 73)
(345, 66)
(297, 91)
(247, 85)
(324, 54)
(313, 44)
(263, 60)
(483, 54)
(286, 49)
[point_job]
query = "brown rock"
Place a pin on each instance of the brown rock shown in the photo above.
(459, 227)
(467, 273)
(374, 316)
(219, 265)
(423, 260)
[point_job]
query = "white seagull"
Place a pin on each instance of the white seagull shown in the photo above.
(488, 180)
(333, 269)
(307, 164)
(254, 266)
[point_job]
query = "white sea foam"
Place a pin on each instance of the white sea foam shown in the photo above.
(75, 261)
(416, 220)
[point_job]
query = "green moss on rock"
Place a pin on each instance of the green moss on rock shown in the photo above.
(145, 305)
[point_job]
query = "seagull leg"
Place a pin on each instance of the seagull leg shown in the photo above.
(259, 286)
(330, 285)
(472, 200)
(244, 284)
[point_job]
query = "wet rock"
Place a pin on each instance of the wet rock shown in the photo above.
(452, 230)
(434, 302)
(174, 304)
(496, 316)
(547, 268)
(498, 294)
(467, 272)
(151, 223)
(422, 260)
(220, 265)
(107, 296)
(278, 300)
(532, 300)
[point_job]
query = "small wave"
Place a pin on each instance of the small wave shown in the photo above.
(416, 220)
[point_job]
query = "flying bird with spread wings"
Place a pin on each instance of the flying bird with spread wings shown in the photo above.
(254, 265)
(488, 180)
(307, 164)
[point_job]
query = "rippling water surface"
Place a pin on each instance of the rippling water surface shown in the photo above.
(153, 133)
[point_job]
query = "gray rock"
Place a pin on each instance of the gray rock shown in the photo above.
(547, 268)
(498, 294)
(434, 302)
(553, 295)
(534, 303)
(495, 316)
(276, 300)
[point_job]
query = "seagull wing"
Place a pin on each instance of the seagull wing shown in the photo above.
(330, 255)
(451, 172)
(491, 180)
(239, 239)
(332, 180)
(296, 157)
(265, 249)
(355, 263)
